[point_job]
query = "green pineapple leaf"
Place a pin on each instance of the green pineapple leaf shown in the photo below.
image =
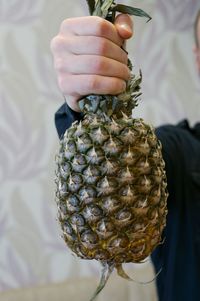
(131, 11)
(106, 7)
(91, 5)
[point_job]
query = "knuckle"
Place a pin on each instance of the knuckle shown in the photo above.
(92, 84)
(126, 72)
(59, 64)
(62, 84)
(53, 44)
(102, 47)
(118, 86)
(101, 26)
(64, 25)
(98, 65)
(124, 57)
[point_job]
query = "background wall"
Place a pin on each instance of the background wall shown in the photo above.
(31, 250)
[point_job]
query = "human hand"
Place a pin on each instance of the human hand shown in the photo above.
(88, 57)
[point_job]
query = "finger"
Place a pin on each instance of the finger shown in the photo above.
(79, 85)
(92, 64)
(124, 26)
(97, 46)
(72, 102)
(91, 26)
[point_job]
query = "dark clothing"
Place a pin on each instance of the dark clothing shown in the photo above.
(179, 255)
(64, 117)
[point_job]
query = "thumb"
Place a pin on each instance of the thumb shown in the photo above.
(124, 26)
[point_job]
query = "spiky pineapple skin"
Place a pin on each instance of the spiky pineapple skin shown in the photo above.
(111, 189)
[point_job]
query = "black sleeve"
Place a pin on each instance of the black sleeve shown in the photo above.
(169, 138)
(64, 117)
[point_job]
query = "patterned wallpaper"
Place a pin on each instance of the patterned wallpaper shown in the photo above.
(31, 250)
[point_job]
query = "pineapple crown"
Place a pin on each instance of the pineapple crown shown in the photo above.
(107, 105)
(108, 8)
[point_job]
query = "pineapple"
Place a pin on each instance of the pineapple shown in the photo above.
(111, 183)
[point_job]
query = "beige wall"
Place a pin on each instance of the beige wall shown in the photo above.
(31, 250)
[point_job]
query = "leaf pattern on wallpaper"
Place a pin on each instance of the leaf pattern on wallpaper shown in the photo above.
(152, 57)
(178, 15)
(22, 215)
(21, 146)
(27, 241)
(17, 272)
(53, 234)
(48, 83)
(28, 12)
(180, 76)
(3, 222)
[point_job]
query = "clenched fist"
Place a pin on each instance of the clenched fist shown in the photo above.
(89, 57)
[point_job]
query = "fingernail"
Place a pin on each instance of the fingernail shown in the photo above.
(126, 27)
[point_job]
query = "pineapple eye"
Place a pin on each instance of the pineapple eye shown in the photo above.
(155, 157)
(77, 179)
(77, 219)
(125, 191)
(84, 143)
(118, 242)
(79, 130)
(141, 203)
(71, 146)
(105, 226)
(95, 210)
(114, 127)
(111, 204)
(128, 157)
(71, 131)
(112, 146)
(126, 176)
(95, 156)
(139, 226)
(109, 167)
(157, 175)
(62, 189)
(62, 209)
(89, 237)
(108, 184)
(128, 136)
(143, 165)
(123, 215)
(85, 138)
(99, 135)
(138, 249)
(65, 170)
(73, 204)
(67, 228)
(92, 213)
(87, 195)
(70, 149)
(91, 174)
(79, 160)
(74, 182)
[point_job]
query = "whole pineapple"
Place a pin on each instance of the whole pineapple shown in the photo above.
(111, 184)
